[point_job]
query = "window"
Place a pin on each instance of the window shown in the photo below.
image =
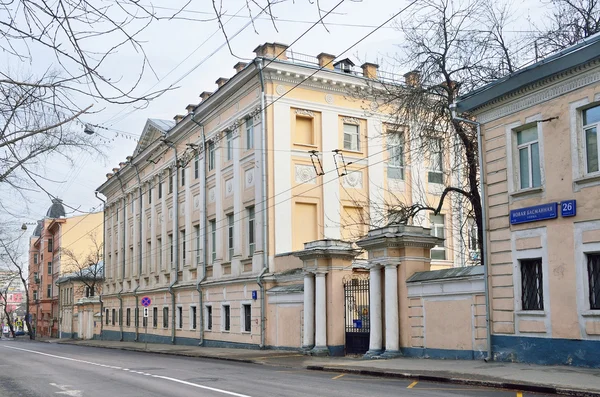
(36, 277)
(128, 317)
(435, 174)
(529, 158)
(106, 316)
(472, 237)
(160, 190)
(251, 239)
(179, 317)
(182, 234)
(149, 194)
(247, 310)
(117, 213)
(35, 297)
(196, 167)
(229, 236)
(35, 259)
(149, 255)
(50, 245)
(304, 130)
(170, 180)
(351, 137)
(593, 262)
(155, 317)
(229, 140)
(213, 240)
(591, 124)
(437, 229)
(183, 177)
(170, 236)
(211, 156)
(532, 291)
(193, 317)
(160, 250)
(165, 317)
(49, 291)
(197, 233)
(114, 317)
(249, 134)
(396, 155)
(209, 318)
(89, 291)
(226, 318)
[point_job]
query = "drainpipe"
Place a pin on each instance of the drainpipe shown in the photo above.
(484, 227)
(264, 195)
(103, 261)
(175, 238)
(137, 299)
(204, 239)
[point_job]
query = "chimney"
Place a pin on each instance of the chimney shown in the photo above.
(326, 60)
(221, 81)
(190, 108)
(239, 66)
(204, 96)
(178, 118)
(272, 50)
(413, 79)
(369, 70)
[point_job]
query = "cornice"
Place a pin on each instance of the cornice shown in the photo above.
(539, 92)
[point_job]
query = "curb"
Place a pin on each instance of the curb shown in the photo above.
(498, 384)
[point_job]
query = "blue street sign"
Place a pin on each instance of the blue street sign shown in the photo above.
(146, 301)
(357, 323)
(254, 295)
(533, 214)
(568, 208)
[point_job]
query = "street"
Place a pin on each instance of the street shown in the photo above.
(30, 369)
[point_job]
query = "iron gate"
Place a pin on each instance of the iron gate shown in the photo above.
(356, 298)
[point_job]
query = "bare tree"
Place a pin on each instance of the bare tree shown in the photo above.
(86, 268)
(8, 280)
(569, 22)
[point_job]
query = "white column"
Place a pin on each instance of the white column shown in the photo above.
(392, 339)
(376, 335)
(320, 314)
(309, 311)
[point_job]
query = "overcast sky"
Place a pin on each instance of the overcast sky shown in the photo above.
(168, 43)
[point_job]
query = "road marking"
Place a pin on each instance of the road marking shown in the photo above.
(66, 391)
(339, 376)
(229, 393)
(412, 384)
(519, 394)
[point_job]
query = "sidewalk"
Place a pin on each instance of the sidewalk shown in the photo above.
(566, 380)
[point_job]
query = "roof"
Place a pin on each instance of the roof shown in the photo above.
(569, 58)
(38, 229)
(287, 289)
(164, 125)
(444, 274)
(56, 210)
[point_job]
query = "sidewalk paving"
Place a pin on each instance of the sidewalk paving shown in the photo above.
(565, 380)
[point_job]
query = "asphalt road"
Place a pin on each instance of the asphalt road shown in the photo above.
(31, 369)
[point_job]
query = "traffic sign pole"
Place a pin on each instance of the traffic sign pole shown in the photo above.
(146, 301)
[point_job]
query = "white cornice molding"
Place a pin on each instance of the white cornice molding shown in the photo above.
(543, 92)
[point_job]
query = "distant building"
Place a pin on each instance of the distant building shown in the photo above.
(541, 156)
(54, 233)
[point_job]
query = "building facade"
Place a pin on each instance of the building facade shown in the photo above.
(204, 218)
(539, 129)
(55, 234)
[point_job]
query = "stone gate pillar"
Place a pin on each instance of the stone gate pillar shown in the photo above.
(402, 250)
(326, 262)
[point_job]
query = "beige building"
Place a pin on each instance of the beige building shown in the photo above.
(204, 217)
(542, 181)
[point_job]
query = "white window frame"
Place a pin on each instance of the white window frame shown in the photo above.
(223, 305)
(243, 317)
(193, 317)
(352, 136)
(530, 165)
(434, 232)
(163, 316)
(182, 235)
(197, 167)
(211, 156)
(213, 240)
(251, 230)
(512, 156)
(198, 243)
(436, 165)
(249, 133)
(585, 151)
(396, 152)
(230, 235)
(179, 317)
